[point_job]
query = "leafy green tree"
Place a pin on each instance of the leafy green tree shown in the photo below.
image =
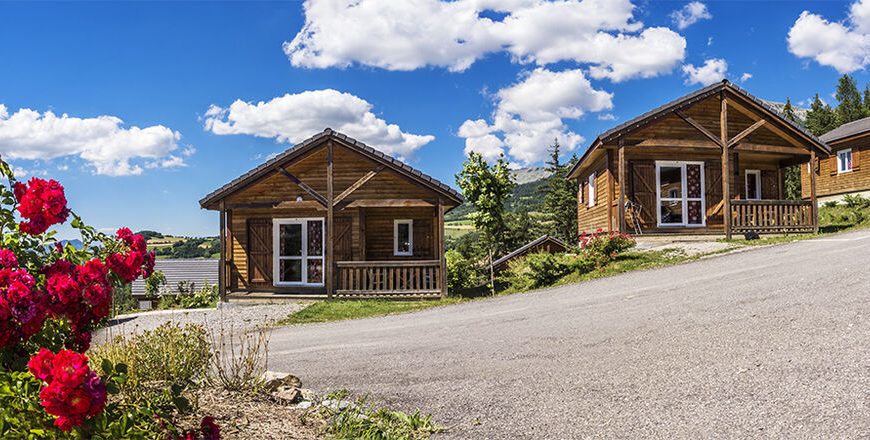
(821, 118)
(560, 198)
(520, 229)
(486, 187)
(867, 99)
(850, 107)
(792, 173)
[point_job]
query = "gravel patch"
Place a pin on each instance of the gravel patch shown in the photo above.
(240, 317)
(690, 248)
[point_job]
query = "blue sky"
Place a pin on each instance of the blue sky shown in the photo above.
(161, 66)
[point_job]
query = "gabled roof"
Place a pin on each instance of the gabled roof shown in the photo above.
(686, 101)
(307, 145)
(522, 250)
(846, 130)
(200, 271)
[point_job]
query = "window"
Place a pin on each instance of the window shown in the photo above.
(844, 160)
(753, 184)
(591, 186)
(298, 251)
(403, 237)
(680, 195)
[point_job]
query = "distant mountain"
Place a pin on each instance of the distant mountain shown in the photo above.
(526, 196)
(76, 243)
(800, 113)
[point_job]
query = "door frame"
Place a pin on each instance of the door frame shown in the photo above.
(684, 199)
(276, 250)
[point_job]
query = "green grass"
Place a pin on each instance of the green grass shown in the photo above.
(631, 261)
(340, 310)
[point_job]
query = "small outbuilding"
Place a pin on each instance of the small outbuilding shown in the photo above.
(544, 243)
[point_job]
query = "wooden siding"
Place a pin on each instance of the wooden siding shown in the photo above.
(379, 233)
(831, 183)
(591, 218)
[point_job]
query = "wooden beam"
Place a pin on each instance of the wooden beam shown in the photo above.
(815, 205)
(329, 273)
(726, 169)
(746, 132)
(311, 191)
(682, 143)
(620, 210)
(609, 167)
(772, 127)
(700, 128)
(780, 183)
(278, 204)
(442, 248)
(222, 283)
(762, 148)
(391, 203)
(356, 185)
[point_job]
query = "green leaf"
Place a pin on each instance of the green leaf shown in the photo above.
(107, 367)
(121, 368)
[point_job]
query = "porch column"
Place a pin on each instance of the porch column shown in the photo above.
(329, 270)
(780, 182)
(815, 207)
(620, 210)
(609, 168)
(442, 249)
(726, 169)
(222, 284)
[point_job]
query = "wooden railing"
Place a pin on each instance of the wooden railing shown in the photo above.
(389, 278)
(772, 216)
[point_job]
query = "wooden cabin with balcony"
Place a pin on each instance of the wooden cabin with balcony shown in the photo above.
(662, 172)
(332, 217)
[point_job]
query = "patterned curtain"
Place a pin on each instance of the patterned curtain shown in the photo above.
(693, 191)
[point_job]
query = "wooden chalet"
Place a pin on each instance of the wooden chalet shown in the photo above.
(544, 243)
(662, 172)
(333, 217)
(842, 173)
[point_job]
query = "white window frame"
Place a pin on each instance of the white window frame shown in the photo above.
(276, 251)
(591, 185)
(841, 163)
(757, 174)
(684, 199)
(410, 223)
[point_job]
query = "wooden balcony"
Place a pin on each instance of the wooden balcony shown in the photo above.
(389, 279)
(772, 216)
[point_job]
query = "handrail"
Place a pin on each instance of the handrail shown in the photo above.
(388, 263)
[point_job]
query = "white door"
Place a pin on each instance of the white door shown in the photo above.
(298, 245)
(680, 195)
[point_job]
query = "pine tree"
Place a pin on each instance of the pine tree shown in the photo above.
(867, 99)
(849, 107)
(560, 198)
(821, 118)
(792, 173)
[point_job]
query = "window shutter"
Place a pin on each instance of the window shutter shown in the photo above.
(835, 163)
(259, 248)
(856, 159)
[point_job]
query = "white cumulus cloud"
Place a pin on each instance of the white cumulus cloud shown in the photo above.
(845, 45)
(411, 34)
(713, 70)
(295, 117)
(531, 113)
(690, 14)
(745, 77)
(102, 141)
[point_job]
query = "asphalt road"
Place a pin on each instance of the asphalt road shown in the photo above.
(772, 343)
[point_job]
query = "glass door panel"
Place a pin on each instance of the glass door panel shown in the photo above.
(299, 251)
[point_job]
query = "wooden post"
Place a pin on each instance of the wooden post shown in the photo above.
(362, 234)
(230, 258)
(620, 210)
(815, 207)
(442, 248)
(222, 283)
(609, 167)
(780, 182)
(330, 264)
(726, 169)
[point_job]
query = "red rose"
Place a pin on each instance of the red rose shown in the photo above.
(73, 392)
(8, 258)
(42, 203)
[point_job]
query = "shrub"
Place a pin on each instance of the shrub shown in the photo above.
(542, 269)
(359, 419)
(460, 273)
(154, 284)
(239, 362)
(123, 301)
(168, 356)
(187, 297)
(856, 201)
(830, 204)
(602, 247)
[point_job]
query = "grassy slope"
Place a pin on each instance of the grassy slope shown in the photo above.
(328, 311)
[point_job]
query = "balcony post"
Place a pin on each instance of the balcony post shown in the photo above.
(815, 207)
(726, 169)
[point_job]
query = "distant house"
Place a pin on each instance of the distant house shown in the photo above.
(709, 162)
(334, 217)
(198, 272)
(842, 172)
(544, 243)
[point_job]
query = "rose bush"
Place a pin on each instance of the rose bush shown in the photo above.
(52, 296)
